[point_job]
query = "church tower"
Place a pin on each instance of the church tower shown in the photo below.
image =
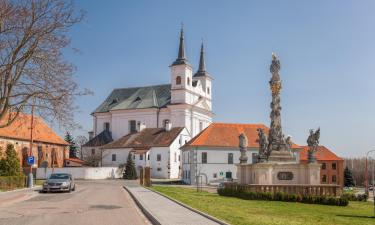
(205, 80)
(181, 75)
(191, 105)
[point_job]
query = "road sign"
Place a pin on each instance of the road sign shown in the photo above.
(30, 160)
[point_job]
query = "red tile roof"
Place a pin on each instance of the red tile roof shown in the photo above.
(322, 154)
(149, 137)
(226, 135)
(76, 160)
(20, 130)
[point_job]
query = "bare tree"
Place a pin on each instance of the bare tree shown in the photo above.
(33, 71)
(80, 140)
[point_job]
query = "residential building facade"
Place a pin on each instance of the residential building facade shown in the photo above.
(157, 148)
(211, 155)
(332, 166)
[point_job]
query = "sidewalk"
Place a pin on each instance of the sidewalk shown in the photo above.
(10, 197)
(165, 211)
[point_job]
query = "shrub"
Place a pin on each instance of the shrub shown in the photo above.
(280, 196)
(353, 197)
(10, 164)
(12, 182)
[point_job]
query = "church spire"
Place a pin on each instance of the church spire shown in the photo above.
(202, 64)
(181, 58)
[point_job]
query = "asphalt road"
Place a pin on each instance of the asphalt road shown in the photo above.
(102, 202)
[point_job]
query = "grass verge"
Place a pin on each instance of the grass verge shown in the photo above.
(240, 212)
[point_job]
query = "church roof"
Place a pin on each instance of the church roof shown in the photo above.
(148, 137)
(137, 98)
(225, 135)
(322, 154)
(101, 139)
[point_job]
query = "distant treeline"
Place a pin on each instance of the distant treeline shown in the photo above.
(358, 167)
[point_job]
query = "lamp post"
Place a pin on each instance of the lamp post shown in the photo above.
(366, 172)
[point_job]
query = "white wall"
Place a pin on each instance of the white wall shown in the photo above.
(82, 172)
(217, 163)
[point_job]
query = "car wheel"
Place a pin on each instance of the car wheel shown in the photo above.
(74, 188)
(70, 189)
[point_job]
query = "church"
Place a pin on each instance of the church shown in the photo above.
(168, 113)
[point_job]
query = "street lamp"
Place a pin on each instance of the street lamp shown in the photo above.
(366, 172)
(366, 177)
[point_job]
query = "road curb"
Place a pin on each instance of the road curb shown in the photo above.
(192, 209)
(148, 214)
(19, 190)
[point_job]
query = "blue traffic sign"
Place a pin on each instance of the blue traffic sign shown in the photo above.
(30, 160)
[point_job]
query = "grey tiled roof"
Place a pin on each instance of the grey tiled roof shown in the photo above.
(101, 139)
(137, 98)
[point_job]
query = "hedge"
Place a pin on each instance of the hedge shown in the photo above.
(280, 196)
(12, 182)
(353, 197)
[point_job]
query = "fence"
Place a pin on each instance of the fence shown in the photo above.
(313, 190)
(89, 173)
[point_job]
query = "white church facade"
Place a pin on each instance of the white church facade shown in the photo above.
(186, 102)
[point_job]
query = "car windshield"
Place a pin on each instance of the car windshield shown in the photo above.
(59, 176)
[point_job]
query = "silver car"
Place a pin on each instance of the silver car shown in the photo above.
(59, 182)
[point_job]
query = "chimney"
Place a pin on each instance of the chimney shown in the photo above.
(141, 126)
(91, 135)
(168, 126)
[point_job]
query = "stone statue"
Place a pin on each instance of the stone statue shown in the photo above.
(313, 143)
(263, 145)
(243, 143)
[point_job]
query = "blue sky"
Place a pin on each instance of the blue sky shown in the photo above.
(326, 50)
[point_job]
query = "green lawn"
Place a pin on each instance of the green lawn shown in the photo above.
(236, 211)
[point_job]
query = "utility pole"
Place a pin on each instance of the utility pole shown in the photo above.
(30, 176)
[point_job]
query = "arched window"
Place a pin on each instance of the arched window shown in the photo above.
(178, 80)
(188, 81)
(208, 90)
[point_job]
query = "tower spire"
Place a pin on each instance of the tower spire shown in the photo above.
(181, 58)
(202, 64)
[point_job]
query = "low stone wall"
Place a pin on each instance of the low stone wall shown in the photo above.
(313, 190)
(89, 173)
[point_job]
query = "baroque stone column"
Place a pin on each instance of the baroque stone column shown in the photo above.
(278, 145)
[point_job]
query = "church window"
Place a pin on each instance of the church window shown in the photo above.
(200, 126)
(148, 157)
(188, 81)
(208, 90)
(230, 158)
(178, 80)
(141, 157)
(204, 157)
(113, 157)
(158, 157)
(132, 126)
(215, 175)
(106, 126)
(175, 157)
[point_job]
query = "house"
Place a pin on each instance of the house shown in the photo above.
(91, 150)
(332, 166)
(213, 153)
(158, 148)
(184, 102)
(47, 145)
